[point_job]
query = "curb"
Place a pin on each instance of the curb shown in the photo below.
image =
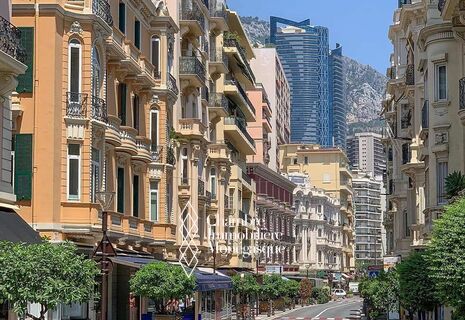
(276, 316)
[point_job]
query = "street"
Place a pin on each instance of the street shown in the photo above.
(335, 310)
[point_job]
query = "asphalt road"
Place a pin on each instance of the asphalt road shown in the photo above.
(337, 310)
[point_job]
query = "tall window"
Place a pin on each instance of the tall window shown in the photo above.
(153, 201)
(155, 53)
(154, 129)
(135, 111)
(441, 172)
(74, 171)
(74, 68)
(137, 34)
(135, 196)
(184, 167)
(319, 233)
(96, 73)
(441, 82)
(120, 191)
(406, 224)
(96, 171)
(320, 257)
(213, 182)
(122, 17)
(122, 92)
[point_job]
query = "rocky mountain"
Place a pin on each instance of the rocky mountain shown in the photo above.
(365, 85)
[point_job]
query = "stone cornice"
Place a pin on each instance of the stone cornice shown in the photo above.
(436, 32)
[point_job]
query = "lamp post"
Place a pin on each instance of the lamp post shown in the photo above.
(307, 266)
(105, 200)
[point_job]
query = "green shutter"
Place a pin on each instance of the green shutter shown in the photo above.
(26, 80)
(23, 166)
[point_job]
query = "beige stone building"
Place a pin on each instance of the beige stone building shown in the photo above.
(327, 169)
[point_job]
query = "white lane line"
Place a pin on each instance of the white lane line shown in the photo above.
(334, 307)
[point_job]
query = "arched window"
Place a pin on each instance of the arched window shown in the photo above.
(96, 73)
(74, 68)
(155, 54)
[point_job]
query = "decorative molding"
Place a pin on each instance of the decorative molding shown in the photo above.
(76, 28)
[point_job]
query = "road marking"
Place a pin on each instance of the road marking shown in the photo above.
(334, 307)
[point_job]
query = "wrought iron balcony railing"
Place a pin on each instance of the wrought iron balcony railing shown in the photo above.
(404, 2)
(239, 123)
(10, 40)
(232, 42)
(410, 75)
(242, 92)
(156, 153)
(218, 11)
(425, 115)
(170, 157)
(99, 109)
(76, 105)
(201, 188)
(219, 100)
(171, 84)
(204, 93)
(192, 65)
(217, 55)
(406, 120)
(246, 178)
(101, 8)
(191, 11)
(462, 94)
(226, 201)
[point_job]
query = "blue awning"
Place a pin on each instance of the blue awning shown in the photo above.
(207, 281)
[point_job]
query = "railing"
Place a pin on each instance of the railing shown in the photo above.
(244, 216)
(246, 178)
(226, 201)
(192, 65)
(170, 157)
(10, 40)
(208, 195)
(219, 100)
(425, 115)
(406, 119)
(403, 2)
(410, 75)
(156, 153)
(217, 55)
(76, 104)
(101, 8)
(441, 4)
(204, 93)
(462, 94)
(242, 92)
(171, 84)
(204, 46)
(392, 74)
(201, 188)
(239, 123)
(216, 12)
(190, 11)
(99, 109)
(231, 42)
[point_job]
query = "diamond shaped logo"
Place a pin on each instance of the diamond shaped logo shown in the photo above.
(189, 231)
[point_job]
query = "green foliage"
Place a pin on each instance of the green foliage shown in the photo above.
(321, 295)
(455, 182)
(245, 285)
(292, 288)
(161, 280)
(231, 35)
(446, 262)
(45, 273)
(415, 286)
(273, 286)
(305, 289)
(382, 292)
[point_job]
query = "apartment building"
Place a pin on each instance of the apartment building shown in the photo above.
(365, 151)
(278, 92)
(318, 226)
(328, 169)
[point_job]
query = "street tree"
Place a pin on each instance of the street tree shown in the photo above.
(292, 290)
(245, 286)
(415, 285)
(161, 280)
(381, 292)
(454, 184)
(445, 256)
(45, 273)
(305, 290)
(271, 289)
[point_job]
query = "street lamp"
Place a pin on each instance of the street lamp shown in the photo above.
(105, 199)
(307, 266)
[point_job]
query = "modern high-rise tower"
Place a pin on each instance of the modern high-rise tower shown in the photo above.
(316, 79)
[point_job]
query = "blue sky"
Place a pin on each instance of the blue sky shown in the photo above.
(361, 26)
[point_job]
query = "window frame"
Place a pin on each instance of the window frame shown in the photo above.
(68, 158)
(213, 183)
(154, 191)
(77, 45)
(154, 111)
(437, 97)
(137, 34)
(184, 166)
(118, 198)
(155, 38)
(136, 196)
(121, 4)
(93, 188)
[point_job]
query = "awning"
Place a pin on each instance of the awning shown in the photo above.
(134, 261)
(13, 228)
(207, 281)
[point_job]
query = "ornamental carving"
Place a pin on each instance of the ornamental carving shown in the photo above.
(441, 137)
(76, 28)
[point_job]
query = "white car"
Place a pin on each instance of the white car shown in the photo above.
(339, 293)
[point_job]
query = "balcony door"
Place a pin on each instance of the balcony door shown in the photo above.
(74, 69)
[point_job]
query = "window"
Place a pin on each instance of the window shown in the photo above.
(184, 167)
(74, 69)
(135, 111)
(120, 191)
(441, 82)
(153, 201)
(74, 171)
(26, 80)
(154, 129)
(137, 34)
(156, 55)
(135, 196)
(406, 224)
(319, 232)
(23, 166)
(320, 257)
(326, 178)
(122, 91)
(295, 160)
(306, 160)
(95, 169)
(122, 17)
(318, 208)
(213, 182)
(441, 172)
(96, 73)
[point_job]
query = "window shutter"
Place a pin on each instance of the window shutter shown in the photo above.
(122, 17)
(23, 166)
(135, 196)
(120, 190)
(25, 81)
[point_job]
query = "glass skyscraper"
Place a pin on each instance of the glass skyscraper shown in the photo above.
(315, 76)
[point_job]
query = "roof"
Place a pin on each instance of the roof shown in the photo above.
(13, 228)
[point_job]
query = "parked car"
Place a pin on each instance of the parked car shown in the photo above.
(339, 293)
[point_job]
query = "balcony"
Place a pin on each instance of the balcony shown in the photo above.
(218, 17)
(204, 95)
(112, 133)
(131, 60)
(219, 152)
(192, 128)
(144, 152)
(235, 128)
(101, 8)
(76, 105)
(244, 216)
(171, 85)
(201, 188)
(192, 70)
(10, 40)
(218, 104)
(266, 122)
(218, 62)
(156, 154)
(235, 91)
(410, 75)
(99, 109)
(404, 2)
(227, 205)
(192, 19)
(246, 178)
(233, 47)
(128, 140)
(406, 117)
